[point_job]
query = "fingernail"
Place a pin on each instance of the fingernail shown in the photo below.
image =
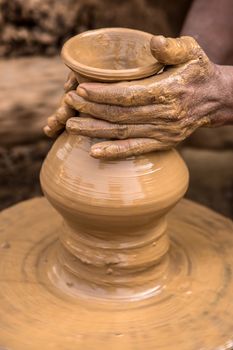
(72, 98)
(69, 124)
(157, 42)
(68, 98)
(96, 152)
(72, 126)
(82, 92)
(49, 132)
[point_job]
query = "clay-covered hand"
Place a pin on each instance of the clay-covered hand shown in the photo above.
(57, 121)
(155, 113)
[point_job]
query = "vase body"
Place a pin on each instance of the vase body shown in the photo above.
(114, 213)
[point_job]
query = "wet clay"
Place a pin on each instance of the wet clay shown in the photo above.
(192, 310)
(110, 54)
(114, 240)
(111, 273)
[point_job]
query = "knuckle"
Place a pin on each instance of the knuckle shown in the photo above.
(153, 131)
(178, 113)
(122, 131)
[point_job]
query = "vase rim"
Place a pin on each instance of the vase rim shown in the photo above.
(87, 70)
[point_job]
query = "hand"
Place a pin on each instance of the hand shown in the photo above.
(56, 122)
(155, 113)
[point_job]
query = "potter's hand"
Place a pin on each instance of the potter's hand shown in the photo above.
(56, 122)
(154, 113)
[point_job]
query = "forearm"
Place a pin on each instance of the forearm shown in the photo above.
(210, 23)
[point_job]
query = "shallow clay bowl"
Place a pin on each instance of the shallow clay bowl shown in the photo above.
(111, 54)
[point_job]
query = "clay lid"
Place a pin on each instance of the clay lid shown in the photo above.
(111, 54)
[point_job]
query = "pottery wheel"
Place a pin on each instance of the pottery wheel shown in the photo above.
(192, 311)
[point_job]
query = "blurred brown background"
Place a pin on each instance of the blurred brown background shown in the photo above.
(32, 76)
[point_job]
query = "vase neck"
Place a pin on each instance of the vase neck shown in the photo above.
(113, 264)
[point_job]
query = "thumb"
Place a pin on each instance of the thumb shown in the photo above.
(172, 51)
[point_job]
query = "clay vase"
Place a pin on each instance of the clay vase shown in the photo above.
(111, 207)
(114, 217)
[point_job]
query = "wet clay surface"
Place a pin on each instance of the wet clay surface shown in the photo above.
(112, 276)
(193, 310)
(113, 240)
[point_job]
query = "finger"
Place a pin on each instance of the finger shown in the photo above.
(173, 51)
(54, 124)
(127, 148)
(50, 132)
(92, 127)
(128, 115)
(65, 112)
(71, 82)
(137, 93)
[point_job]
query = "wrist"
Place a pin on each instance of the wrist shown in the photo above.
(224, 83)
